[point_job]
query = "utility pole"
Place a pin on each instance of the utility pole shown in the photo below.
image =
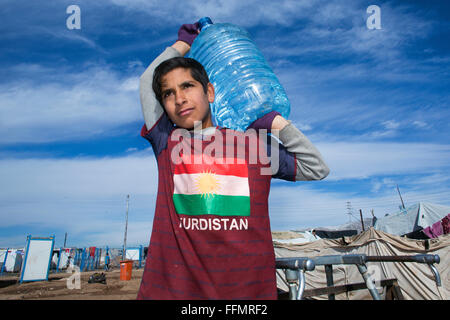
(362, 221)
(126, 227)
(65, 238)
(349, 211)
(403, 205)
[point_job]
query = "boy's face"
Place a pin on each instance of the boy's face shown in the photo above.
(185, 100)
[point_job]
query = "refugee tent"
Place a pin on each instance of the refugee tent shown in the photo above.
(416, 280)
(60, 256)
(2, 257)
(13, 261)
(64, 258)
(412, 220)
(55, 258)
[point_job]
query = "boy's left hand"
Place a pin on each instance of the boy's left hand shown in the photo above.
(270, 121)
(188, 32)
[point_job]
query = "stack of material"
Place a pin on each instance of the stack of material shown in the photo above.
(415, 280)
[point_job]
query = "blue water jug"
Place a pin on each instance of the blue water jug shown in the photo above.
(245, 86)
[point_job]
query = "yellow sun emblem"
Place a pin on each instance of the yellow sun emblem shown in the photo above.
(207, 183)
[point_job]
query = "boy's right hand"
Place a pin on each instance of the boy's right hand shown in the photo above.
(188, 32)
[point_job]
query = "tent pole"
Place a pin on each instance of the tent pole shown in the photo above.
(403, 205)
(362, 221)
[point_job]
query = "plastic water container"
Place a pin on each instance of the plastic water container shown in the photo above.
(245, 86)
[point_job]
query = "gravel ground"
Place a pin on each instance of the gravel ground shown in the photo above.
(56, 288)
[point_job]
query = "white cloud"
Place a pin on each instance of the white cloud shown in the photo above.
(301, 125)
(389, 130)
(339, 28)
(299, 205)
(233, 11)
(63, 34)
(342, 99)
(362, 160)
(391, 124)
(83, 196)
(130, 84)
(420, 124)
(78, 177)
(81, 105)
(376, 186)
(382, 134)
(382, 184)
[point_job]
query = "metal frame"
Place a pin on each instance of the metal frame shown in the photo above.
(29, 238)
(392, 289)
(302, 264)
(294, 269)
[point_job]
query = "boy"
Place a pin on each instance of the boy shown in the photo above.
(211, 235)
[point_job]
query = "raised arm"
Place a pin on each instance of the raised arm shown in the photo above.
(151, 108)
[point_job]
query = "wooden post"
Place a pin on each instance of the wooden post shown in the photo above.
(125, 236)
(362, 221)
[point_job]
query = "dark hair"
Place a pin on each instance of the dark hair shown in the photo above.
(197, 72)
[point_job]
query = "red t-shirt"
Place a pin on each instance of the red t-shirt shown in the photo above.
(211, 236)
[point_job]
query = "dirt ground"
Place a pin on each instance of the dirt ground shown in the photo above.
(56, 287)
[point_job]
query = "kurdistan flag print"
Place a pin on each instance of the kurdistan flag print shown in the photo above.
(208, 188)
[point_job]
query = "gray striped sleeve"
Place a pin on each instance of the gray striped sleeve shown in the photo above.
(309, 161)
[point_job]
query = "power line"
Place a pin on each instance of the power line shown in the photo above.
(349, 210)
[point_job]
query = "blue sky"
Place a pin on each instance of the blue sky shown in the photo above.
(374, 102)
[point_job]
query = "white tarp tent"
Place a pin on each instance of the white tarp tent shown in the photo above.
(414, 218)
(62, 256)
(416, 280)
(13, 261)
(2, 257)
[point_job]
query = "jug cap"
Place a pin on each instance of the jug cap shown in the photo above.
(204, 22)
